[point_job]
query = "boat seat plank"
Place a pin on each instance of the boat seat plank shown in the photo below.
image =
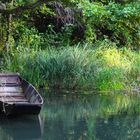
(8, 74)
(9, 85)
(16, 101)
(11, 94)
(25, 102)
(13, 99)
(10, 97)
(11, 89)
(9, 79)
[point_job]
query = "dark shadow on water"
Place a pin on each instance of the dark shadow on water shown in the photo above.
(118, 127)
(20, 128)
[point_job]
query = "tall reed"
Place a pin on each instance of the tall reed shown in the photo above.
(73, 68)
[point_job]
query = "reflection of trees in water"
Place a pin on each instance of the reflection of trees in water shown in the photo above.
(78, 118)
(121, 127)
(3, 135)
(58, 130)
(75, 118)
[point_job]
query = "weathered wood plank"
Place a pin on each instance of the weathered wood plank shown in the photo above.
(11, 90)
(9, 74)
(16, 101)
(11, 94)
(25, 102)
(10, 85)
(9, 79)
(13, 99)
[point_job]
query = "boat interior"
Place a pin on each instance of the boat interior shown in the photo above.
(13, 89)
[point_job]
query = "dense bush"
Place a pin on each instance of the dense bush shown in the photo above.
(119, 23)
(79, 20)
(84, 20)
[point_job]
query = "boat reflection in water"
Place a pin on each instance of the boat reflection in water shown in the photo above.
(22, 128)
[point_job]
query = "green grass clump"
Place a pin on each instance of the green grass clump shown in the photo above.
(74, 68)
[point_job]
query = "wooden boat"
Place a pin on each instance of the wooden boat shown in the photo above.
(17, 96)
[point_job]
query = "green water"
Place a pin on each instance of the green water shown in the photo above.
(90, 117)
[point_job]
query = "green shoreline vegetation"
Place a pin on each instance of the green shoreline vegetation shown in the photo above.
(77, 67)
(73, 45)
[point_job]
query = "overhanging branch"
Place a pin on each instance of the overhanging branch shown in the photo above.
(21, 9)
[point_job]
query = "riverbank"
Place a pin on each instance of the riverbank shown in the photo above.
(81, 67)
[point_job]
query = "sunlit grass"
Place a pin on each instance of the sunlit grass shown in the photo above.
(76, 67)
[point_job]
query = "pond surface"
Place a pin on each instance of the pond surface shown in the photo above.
(90, 117)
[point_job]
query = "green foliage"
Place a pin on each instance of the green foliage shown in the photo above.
(80, 67)
(119, 23)
(52, 38)
(28, 38)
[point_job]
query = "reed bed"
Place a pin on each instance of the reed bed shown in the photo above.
(76, 67)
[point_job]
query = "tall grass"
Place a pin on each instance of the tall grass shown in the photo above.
(103, 68)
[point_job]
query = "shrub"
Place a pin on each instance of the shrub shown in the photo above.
(119, 23)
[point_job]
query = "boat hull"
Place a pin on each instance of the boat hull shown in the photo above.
(19, 109)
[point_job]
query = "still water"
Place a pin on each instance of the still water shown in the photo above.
(90, 117)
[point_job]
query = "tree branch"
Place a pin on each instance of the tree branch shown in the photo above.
(20, 9)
